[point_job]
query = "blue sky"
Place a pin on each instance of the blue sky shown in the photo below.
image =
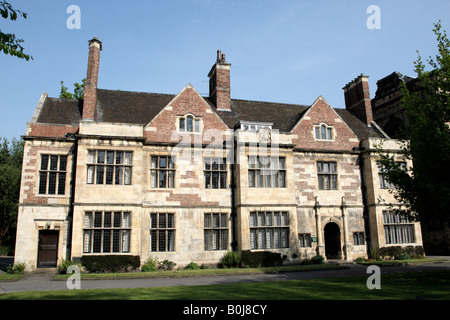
(280, 51)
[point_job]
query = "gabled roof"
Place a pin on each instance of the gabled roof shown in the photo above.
(141, 107)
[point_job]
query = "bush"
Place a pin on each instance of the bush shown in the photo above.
(192, 266)
(260, 259)
(400, 253)
(150, 265)
(166, 265)
(231, 259)
(65, 264)
(111, 263)
(17, 268)
(318, 259)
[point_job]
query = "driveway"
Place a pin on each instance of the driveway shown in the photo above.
(42, 281)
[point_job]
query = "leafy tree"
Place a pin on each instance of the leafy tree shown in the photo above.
(11, 155)
(8, 42)
(425, 188)
(78, 91)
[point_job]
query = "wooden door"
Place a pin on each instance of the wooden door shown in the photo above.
(48, 248)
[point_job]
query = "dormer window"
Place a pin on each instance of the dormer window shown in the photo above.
(188, 124)
(255, 126)
(323, 132)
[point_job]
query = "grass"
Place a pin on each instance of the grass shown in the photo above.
(10, 277)
(199, 272)
(398, 286)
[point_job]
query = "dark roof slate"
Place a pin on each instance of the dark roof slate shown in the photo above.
(141, 107)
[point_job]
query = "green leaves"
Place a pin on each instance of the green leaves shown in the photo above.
(8, 42)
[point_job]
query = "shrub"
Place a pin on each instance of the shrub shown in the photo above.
(317, 259)
(166, 265)
(192, 266)
(359, 260)
(231, 259)
(260, 259)
(16, 268)
(150, 265)
(65, 264)
(399, 253)
(111, 263)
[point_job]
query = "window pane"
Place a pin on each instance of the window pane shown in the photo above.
(97, 241)
(88, 220)
(162, 220)
(197, 125)
(317, 133)
(329, 135)
(52, 183)
(163, 162)
(154, 162)
(207, 180)
(162, 179)
(127, 175)
(181, 124)
(153, 179)
(87, 241)
(251, 178)
(323, 132)
(223, 180)
(107, 220)
(61, 183)
(44, 162)
(107, 241)
(118, 179)
(62, 163)
(100, 173)
(90, 174)
(189, 124)
(153, 240)
(98, 220)
(116, 240)
(153, 220)
(109, 174)
(128, 158)
(170, 221)
(101, 157)
(125, 240)
(42, 182)
(117, 219)
(53, 163)
(91, 157)
(126, 220)
(110, 157)
(207, 223)
(170, 240)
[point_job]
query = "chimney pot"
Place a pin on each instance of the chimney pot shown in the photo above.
(90, 91)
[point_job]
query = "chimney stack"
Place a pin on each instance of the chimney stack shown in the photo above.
(357, 98)
(219, 83)
(90, 90)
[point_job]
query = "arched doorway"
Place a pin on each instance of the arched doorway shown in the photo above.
(332, 241)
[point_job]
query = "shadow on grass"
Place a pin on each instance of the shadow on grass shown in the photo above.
(403, 286)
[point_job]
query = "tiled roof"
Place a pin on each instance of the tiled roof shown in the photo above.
(141, 107)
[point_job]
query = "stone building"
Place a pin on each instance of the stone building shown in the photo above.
(185, 177)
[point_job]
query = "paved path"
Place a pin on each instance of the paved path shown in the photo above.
(42, 281)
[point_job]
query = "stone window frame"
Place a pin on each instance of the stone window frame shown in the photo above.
(324, 132)
(333, 177)
(156, 171)
(183, 123)
(268, 230)
(52, 175)
(267, 175)
(162, 232)
(383, 181)
(304, 240)
(215, 230)
(220, 172)
(359, 238)
(105, 229)
(118, 171)
(397, 228)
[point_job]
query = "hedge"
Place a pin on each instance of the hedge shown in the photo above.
(111, 263)
(402, 253)
(254, 259)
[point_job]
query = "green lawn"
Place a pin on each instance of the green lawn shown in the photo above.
(404, 286)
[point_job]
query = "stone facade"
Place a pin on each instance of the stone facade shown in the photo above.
(186, 178)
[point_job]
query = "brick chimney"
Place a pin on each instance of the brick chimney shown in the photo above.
(219, 83)
(357, 98)
(90, 90)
